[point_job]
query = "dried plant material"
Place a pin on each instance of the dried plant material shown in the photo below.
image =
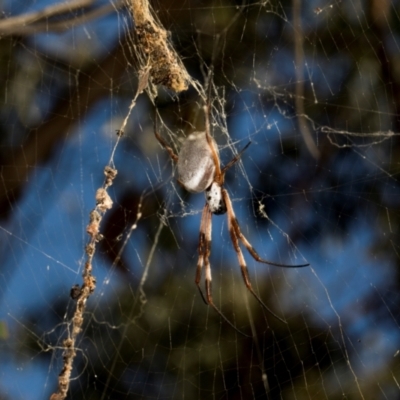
(81, 293)
(75, 292)
(94, 223)
(103, 200)
(110, 174)
(155, 51)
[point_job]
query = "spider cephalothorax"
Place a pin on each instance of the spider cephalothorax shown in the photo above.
(199, 170)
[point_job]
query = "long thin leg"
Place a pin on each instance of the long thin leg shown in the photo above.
(246, 243)
(243, 267)
(202, 248)
(163, 142)
(204, 254)
(207, 125)
(235, 159)
(210, 141)
(255, 255)
(219, 174)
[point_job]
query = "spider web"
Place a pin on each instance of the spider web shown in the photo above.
(315, 87)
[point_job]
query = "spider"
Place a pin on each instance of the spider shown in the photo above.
(199, 170)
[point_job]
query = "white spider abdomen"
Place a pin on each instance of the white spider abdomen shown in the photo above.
(195, 165)
(215, 200)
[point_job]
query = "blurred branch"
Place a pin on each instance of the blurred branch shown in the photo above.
(299, 69)
(379, 15)
(81, 294)
(18, 163)
(37, 21)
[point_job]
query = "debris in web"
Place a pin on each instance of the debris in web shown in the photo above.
(155, 51)
(82, 293)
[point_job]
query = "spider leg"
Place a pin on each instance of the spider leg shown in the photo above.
(163, 143)
(235, 159)
(246, 243)
(202, 248)
(255, 255)
(204, 254)
(214, 150)
(234, 229)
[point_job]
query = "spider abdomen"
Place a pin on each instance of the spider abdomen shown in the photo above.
(195, 164)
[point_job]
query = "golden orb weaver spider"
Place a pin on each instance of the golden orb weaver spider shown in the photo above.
(199, 170)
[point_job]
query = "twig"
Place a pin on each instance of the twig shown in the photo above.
(299, 68)
(16, 24)
(103, 203)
